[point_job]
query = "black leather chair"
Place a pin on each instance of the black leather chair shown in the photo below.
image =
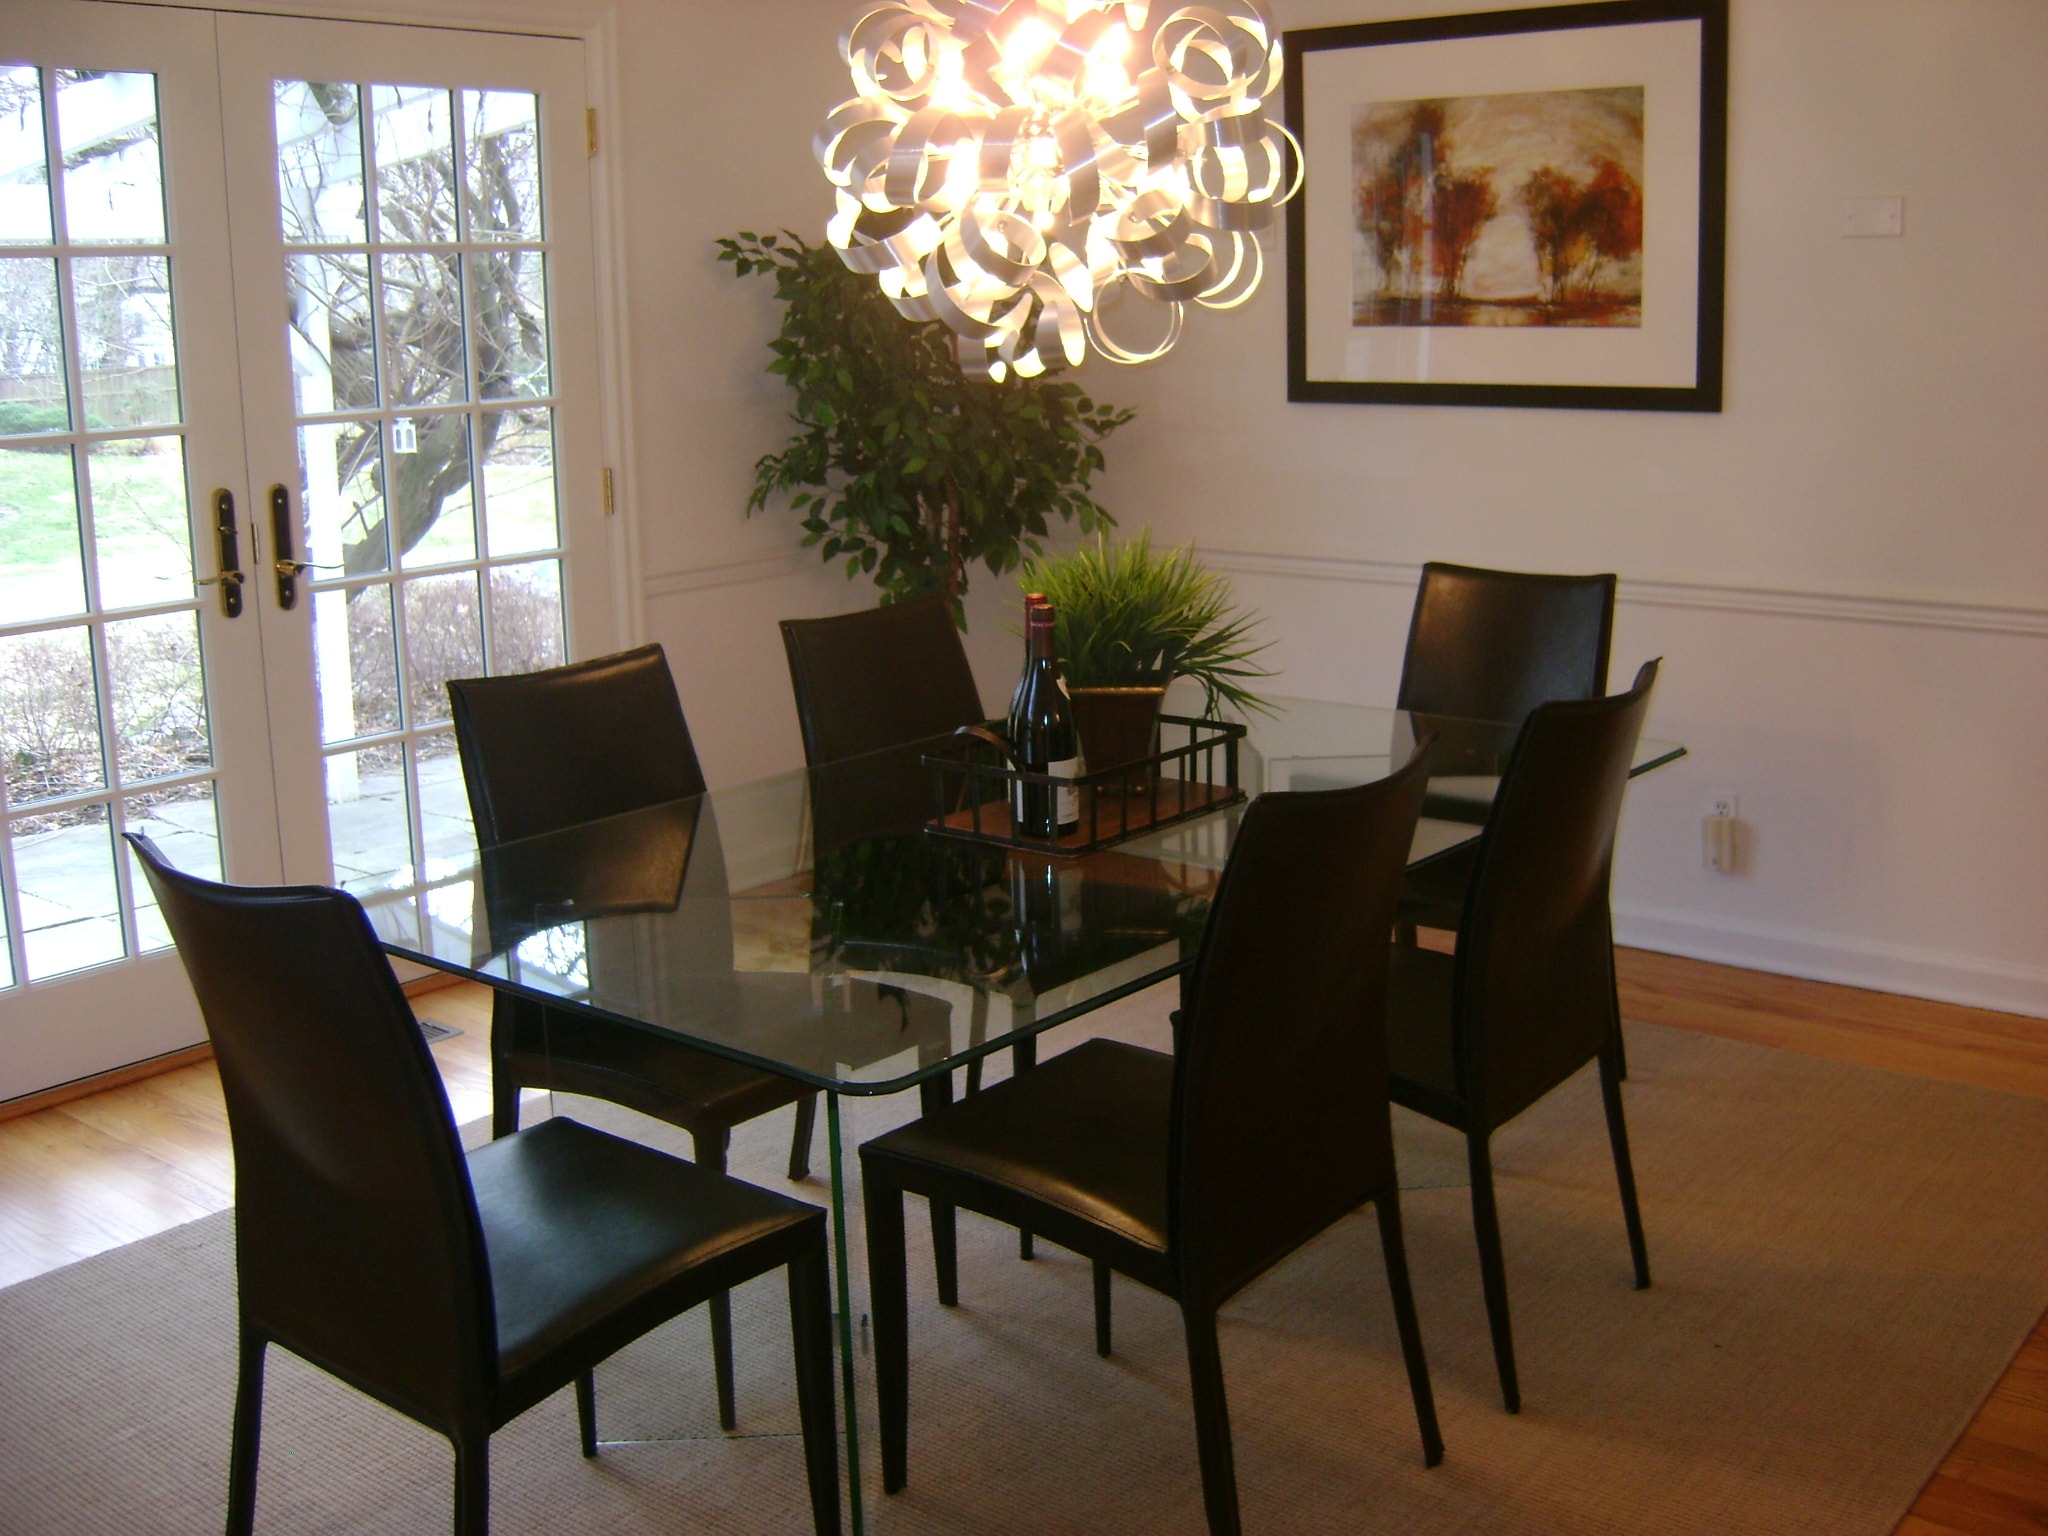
(865, 682)
(1492, 645)
(547, 750)
(1197, 1172)
(1529, 997)
(877, 678)
(458, 1290)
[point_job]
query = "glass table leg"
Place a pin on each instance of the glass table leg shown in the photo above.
(839, 1270)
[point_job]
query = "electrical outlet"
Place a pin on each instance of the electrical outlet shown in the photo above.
(1721, 834)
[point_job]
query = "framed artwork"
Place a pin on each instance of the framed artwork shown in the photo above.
(1519, 207)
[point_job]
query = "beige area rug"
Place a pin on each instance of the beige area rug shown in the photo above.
(1846, 1260)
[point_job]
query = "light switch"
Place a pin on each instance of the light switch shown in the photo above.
(1873, 218)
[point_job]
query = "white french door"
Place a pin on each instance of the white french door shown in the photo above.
(268, 281)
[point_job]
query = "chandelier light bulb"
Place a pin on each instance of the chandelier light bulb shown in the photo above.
(1010, 167)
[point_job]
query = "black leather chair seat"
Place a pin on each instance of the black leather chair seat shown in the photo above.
(644, 1071)
(1084, 1134)
(580, 1226)
(1419, 1049)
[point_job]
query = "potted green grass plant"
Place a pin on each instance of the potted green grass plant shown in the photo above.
(1129, 620)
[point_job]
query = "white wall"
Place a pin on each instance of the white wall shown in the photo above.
(1847, 569)
(707, 152)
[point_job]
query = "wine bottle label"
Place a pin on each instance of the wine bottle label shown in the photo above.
(1068, 809)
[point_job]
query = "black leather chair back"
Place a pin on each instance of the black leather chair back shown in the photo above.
(356, 1231)
(1534, 988)
(1492, 645)
(878, 678)
(543, 750)
(1281, 1123)
(865, 682)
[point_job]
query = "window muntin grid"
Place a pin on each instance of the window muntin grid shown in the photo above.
(416, 259)
(103, 711)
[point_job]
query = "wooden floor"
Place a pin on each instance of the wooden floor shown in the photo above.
(119, 1165)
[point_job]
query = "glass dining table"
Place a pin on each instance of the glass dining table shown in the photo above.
(811, 924)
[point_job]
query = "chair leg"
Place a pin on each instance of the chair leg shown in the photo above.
(1493, 1272)
(472, 1484)
(712, 1147)
(1023, 1057)
(974, 1077)
(1614, 991)
(1212, 1421)
(810, 1327)
(934, 1094)
(1612, 1069)
(586, 1412)
(889, 1300)
(800, 1137)
(504, 1089)
(248, 1434)
(1388, 1204)
(1102, 1284)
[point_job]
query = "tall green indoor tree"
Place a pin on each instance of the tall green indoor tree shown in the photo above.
(902, 465)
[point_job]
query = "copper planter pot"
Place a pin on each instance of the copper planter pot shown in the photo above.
(1117, 726)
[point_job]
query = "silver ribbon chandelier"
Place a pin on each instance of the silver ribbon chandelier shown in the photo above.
(1010, 168)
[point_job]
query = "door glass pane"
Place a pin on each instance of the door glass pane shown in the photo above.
(49, 715)
(320, 163)
(366, 818)
(415, 148)
(88, 706)
(42, 575)
(444, 638)
(410, 341)
(423, 338)
(334, 359)
(447, 837)
(519, 480)
(70, 903)
(430, 488)
(185, 824)
(508, 292)
(124, 340)
(501, 164)
(24, 163)
(358, 662)
(159, 698)
(526, 616)
(113, 172)
(32, 390)
(343, 490)
(142, 530)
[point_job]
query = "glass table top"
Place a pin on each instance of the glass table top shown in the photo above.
(806, 923)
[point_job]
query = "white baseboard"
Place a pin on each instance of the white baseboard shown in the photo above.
(1972, 980)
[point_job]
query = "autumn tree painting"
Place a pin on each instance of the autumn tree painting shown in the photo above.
(1522, 209)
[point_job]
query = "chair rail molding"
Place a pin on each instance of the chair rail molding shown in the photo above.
(734, 573)
(1774, 602)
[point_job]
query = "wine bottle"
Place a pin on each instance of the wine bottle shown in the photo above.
(1032, 600)
(1042, 734)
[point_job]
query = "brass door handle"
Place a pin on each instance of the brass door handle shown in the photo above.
(286, 569)
(229, 547)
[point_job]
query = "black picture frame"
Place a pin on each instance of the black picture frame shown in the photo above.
(1668, 358)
